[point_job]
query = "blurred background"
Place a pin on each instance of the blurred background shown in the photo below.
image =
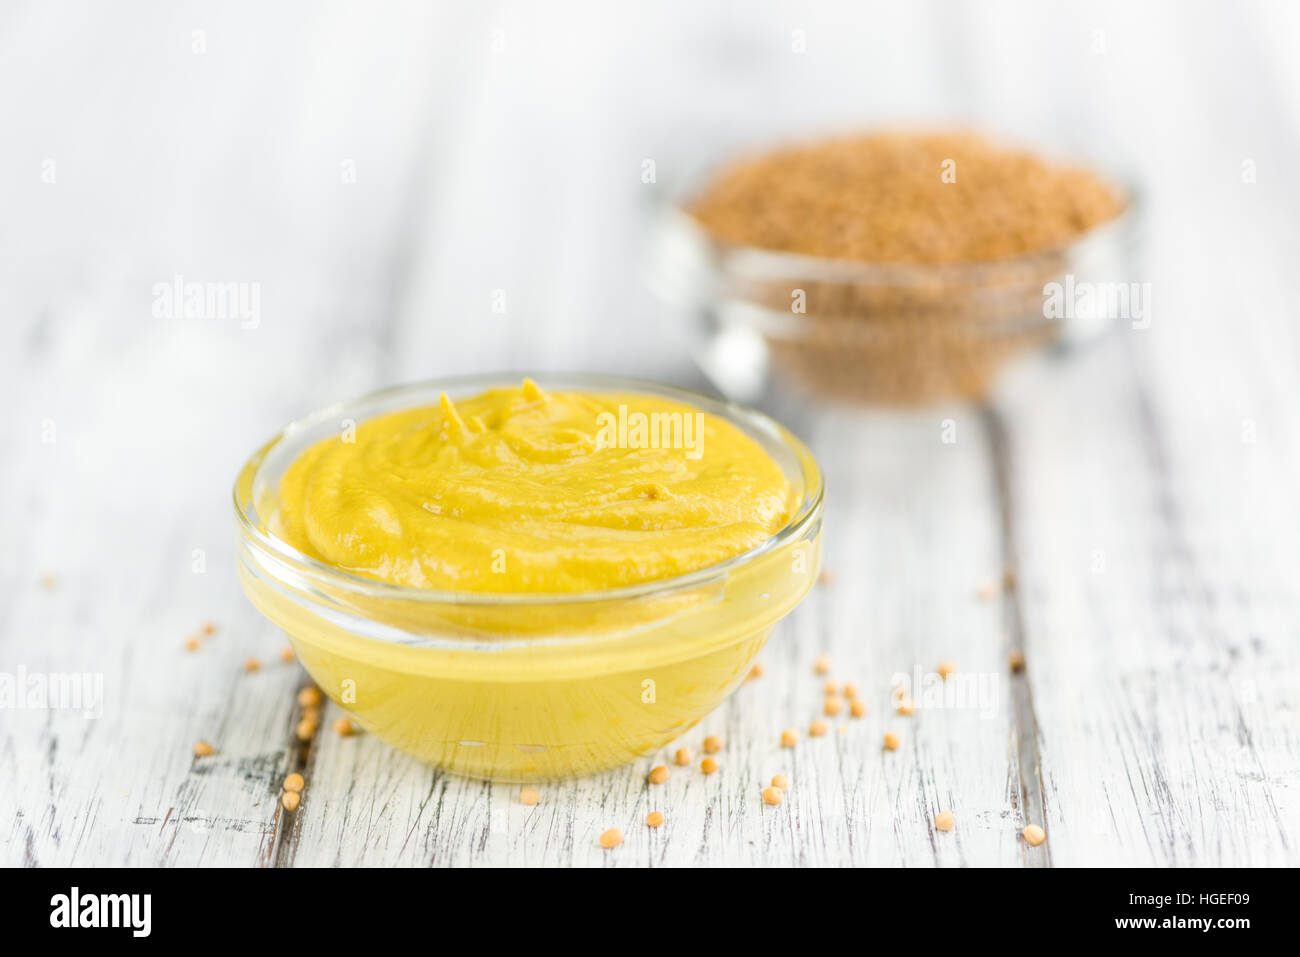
(419, 189)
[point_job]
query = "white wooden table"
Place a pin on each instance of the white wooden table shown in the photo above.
(386, 176)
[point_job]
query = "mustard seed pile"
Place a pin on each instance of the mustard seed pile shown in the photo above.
(956, 235)
(905, 198)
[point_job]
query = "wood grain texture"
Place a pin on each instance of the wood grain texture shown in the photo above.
(1142, 490)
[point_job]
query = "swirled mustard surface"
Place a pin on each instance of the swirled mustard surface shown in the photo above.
(520, 490)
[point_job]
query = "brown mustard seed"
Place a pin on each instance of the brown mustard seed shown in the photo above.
(1034, 835)
(294, 782)
(833, 706)
(658, 775)
(709, 765)
(202, 749)
(772, 795)
(789, 738)
(857, 708)
(891, 741)
(252, 664)
(611, 838)
(712, 744)
(291, 800)
(817, 728)
(944, 821)
(528, 796)
(822, 666)
(781, 781)
(309, 697)
(344, 727)
(683, 757)
(654, 819)
(945, 669)
(1016, 661)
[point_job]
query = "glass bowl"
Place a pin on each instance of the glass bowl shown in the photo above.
(521, 687)
(761, 321)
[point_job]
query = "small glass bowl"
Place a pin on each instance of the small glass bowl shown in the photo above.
(763, 321)
(521, 687)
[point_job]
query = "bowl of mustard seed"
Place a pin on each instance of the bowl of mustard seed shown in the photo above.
(889, 268)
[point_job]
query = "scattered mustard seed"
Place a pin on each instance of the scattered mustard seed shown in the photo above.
(683, 757)
(772, 796)
(817, 728)
(712, 744)
(891, 741)
(822, 665)
(528, 796)
(287, 655)
(905, 706)
(344, 727)
(755, 672)
(944, 821)
(611, 838)
(1016, 661)
(202, 749)
(659, 775)
(192, 644)
(291, 800)
(857, 708)
(252, 664)
(830, 688)
(208, 629)
(827, 577)
(781, 781)
(306, 729)
(833, 706)
(945, 668)
(789, 738)
(294, 782)
(850, 690)
(1034, 835)
(709, 765)
(654, 819)
(309, 697)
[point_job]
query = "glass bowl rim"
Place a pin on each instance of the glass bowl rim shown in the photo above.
(807, 514)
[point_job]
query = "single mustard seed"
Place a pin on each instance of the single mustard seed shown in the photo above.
(822, 665)
(683, 757)
(789, 738)
(191, 644)
(781, 781)
(306, 730)
(712, 744)
(817, 728)
(252, 664)
(891, 741)
(208, 628)
(709, 765)
(309, 697)
(1016, 661)
(654, 819)
(528, 796)
(344, 727)
(857, 708)
(659, 775)
(287, 655)
(755, 672)
(905, 706)
(944, 821)
(827, 577)
(772, 796)
(1034, 835)
(850, 690)
(202, 749)
(611, 838)
(830, 688)
(291, 800)
(945, 669)
(833, 706)
(294, 782)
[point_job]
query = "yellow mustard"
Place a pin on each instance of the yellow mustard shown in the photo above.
(513, 518)
(521, 490)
